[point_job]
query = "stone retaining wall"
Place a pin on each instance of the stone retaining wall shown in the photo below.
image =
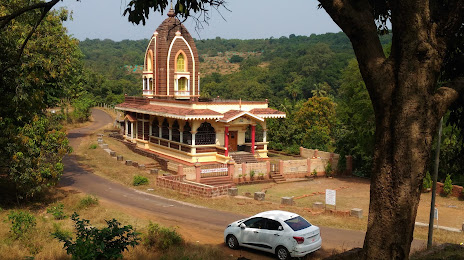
(175, 182)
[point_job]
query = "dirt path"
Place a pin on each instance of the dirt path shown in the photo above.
(196, 224)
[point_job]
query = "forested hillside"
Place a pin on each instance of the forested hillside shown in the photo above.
(314, 79)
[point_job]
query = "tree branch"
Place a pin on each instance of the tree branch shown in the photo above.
(448, 94)
(7, 18)
(356, 19)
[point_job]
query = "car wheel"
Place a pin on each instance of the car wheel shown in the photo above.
(282, 253)
(232, 242)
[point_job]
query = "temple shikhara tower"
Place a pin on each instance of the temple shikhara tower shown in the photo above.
(172, 120)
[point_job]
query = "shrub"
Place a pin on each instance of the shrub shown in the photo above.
(252, 174)
(236, 59)
(427, 181)
(161, 237)
(21, 223)
(57, 211)
(139, 180)
(93, 146)
(314, 173)
(94, 243)
(448, 185)
(328, 170)
(88, 201)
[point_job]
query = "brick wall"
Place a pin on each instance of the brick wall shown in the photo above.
(323, 156)
(190, 173)
(295, 166)
(176, 182)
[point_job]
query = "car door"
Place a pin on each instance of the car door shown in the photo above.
(249, 236)
(271, 235)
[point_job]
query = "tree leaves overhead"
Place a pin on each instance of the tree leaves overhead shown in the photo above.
(139, 10)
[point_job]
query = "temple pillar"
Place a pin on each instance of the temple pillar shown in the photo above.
(194, 150)
(226, 140)
(253, 134)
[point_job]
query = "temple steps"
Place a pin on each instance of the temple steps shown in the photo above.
(217, 181)
(243, 157)
(277, 177)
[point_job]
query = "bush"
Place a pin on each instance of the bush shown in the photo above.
(94, 243)
(448, 185)
(235, 59)
(57, 211)
(252, 174)
(88, 201)
(161, 237)
(328, 170)
(427, 182)
(314, 173)
(139, 180)
(93, 146)
(21, 223)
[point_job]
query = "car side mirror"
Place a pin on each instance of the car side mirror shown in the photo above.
(242, 226)
(280, 228)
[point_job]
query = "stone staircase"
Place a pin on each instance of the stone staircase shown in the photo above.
(217, 181)
(277, 177)
(243, 157)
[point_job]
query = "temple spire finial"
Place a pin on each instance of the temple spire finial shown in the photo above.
(171, 12)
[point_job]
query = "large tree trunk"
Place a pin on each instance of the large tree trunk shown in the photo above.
(403, 140)
(407, 105)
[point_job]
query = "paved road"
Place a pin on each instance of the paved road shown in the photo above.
(210, 222)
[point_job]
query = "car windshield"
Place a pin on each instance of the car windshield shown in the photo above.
(297, 223)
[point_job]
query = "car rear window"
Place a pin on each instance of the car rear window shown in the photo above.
(297, 223)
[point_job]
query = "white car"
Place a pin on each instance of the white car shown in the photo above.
(279, 232)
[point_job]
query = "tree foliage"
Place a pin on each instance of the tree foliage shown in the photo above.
(356, 120)
(39, 63)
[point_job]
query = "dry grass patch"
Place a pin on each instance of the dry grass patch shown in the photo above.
(39, 243)
(101, 163)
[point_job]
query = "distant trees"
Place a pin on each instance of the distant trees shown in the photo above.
(356, 120)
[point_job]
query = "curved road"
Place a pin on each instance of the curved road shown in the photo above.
(207, 222)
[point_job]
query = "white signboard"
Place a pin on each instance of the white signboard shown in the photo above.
(330, 197)
(213, 170)
(435, 215)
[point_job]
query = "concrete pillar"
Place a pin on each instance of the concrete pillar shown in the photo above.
(268, 167)
(244, 169)
(230, 169)
(180, 169)
(233, 191)
(318, 205)
(301, 151)
(286, 201)
(132, 130)
(260, 195)
(315, 153)
(356, 212)
(198, 172)
(281, 167)
(126, 127)
(194, 150)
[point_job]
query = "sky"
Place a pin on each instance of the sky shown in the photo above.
(252, 19)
